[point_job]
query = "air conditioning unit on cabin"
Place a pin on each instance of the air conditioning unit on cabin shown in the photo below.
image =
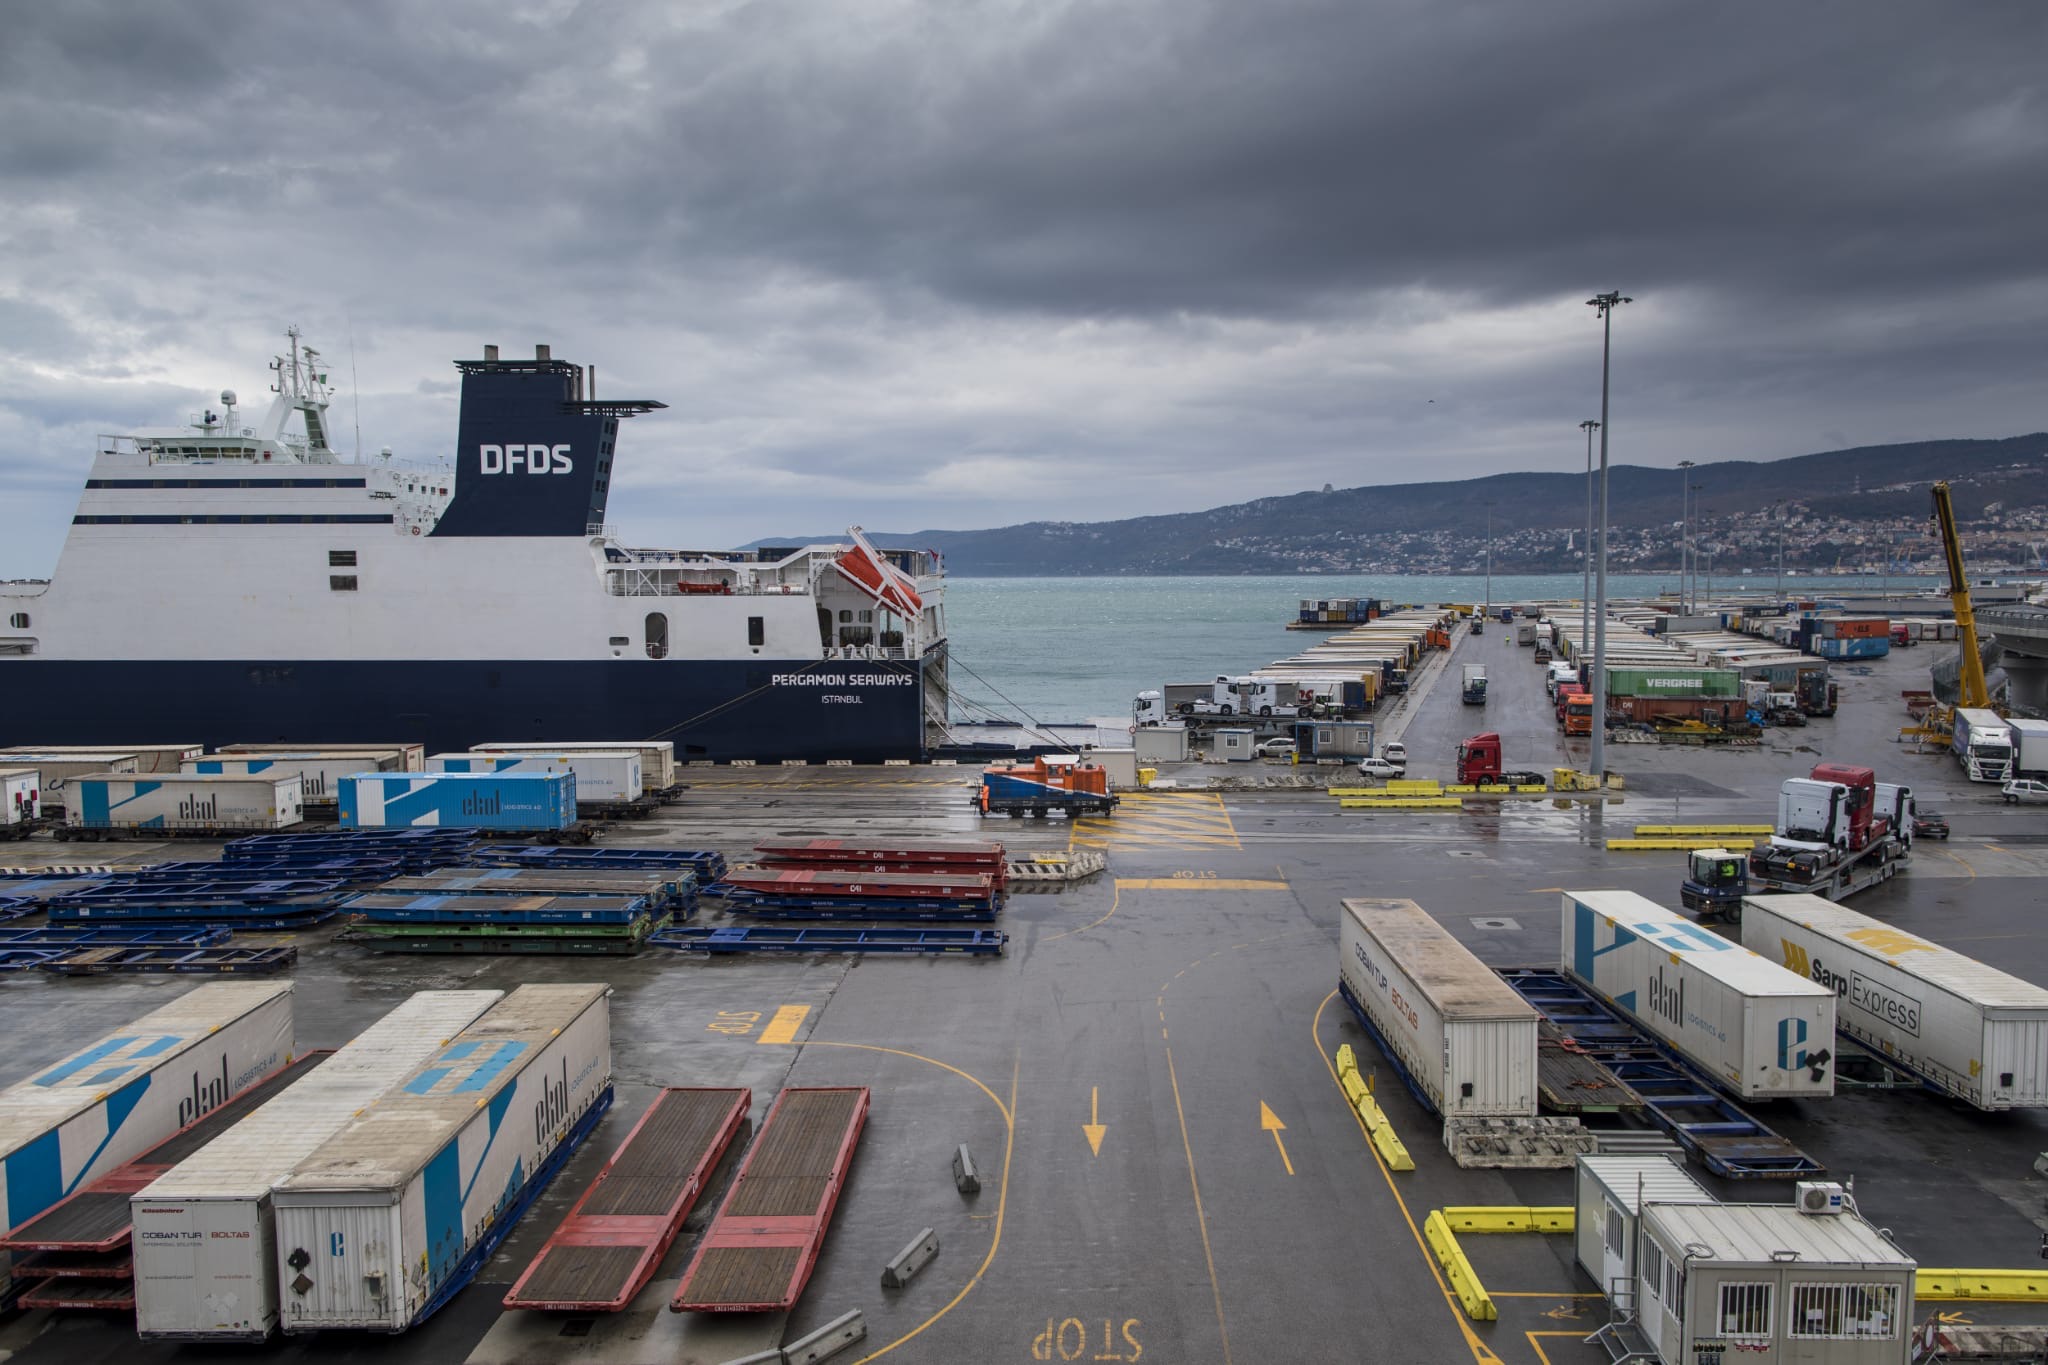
(1819, 1196)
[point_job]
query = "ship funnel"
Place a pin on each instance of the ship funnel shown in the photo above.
(490, 353)
(541, 352)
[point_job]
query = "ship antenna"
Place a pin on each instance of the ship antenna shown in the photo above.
(355, 388)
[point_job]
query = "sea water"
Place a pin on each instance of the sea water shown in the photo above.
(1068, 649)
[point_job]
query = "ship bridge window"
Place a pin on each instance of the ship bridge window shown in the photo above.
(757, 631)
(341, 582)
(657, 635)
(341, 559)
(19, 620)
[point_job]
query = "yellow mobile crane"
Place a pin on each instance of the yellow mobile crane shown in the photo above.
(1938, 726)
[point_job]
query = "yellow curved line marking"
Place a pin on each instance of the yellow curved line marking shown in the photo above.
(1114, 897)
(1958, 859)
(1008, 1112)
(1201, 1219)
(1482, 1354)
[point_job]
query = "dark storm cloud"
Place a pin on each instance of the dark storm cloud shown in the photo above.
(957, 264)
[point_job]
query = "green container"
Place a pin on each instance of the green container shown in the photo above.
(1673, 682)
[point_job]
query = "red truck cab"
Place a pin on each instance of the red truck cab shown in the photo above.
(1565, 692)
(1864, 825)
(1479, 758)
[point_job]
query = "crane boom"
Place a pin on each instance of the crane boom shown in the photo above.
(1971, 679)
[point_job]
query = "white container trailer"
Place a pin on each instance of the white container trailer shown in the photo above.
(392, 1215)
(599, 776)
(113, 1100)
(1749, 1025)
(320, 774)
(2029, 747)
(657, 756)
(149, 758)
(1612, 1188)
(1968, 1029)
(412, 757)
(21, 795)
(59, 766)
(1773, 1284)
(1463, 1039)
(205, 1245)
(185, 801)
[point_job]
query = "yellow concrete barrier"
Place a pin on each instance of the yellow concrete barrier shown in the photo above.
(1347, 1060)
(1464, 1280)
(1384, 1139)
(1401, 803)
(1511, 1219)
(1687, 831)
(1678, 845)
(2013, 1286)
(1416, 787)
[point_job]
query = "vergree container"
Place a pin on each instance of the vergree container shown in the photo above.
(204, 1250)
(185, 801)
(59, 766)
(1677, 681)
(149, 758)
(107, 1103)
(1968, 1029)
(320, 774)
(1749, 1025)
(1466, 1041)
(471, 800)
(395, 1212)
(613, 776)
(412, 758)
(21, 795)
(657, 756)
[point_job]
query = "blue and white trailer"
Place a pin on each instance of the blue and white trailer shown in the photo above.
(1744, 1022)
(184, 801)
(320, 772)
(385, 1221)
(471, 800)
(109, 1102)
(205, 1258)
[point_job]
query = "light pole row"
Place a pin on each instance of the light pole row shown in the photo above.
(1605, 304)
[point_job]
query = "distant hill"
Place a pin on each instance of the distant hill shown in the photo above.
(1272, 534)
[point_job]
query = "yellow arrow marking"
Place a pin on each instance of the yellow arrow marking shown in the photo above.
(1270, 1121)
(1093, 1127)
(1953, 1319)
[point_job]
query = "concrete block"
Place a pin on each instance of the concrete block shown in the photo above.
(796, 763)
(965, 1178)
(895, 762)
(743, 763)
(839, 763)
(903, 1267)
(828, 1341)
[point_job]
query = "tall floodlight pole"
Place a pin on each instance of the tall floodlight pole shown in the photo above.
(1684, 537)
(1489, 559)
(1606, 304)
(1589, 426)
(1698, 489)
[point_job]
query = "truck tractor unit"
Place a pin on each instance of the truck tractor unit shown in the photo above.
(1715, 882)
(1474, 691)
(1479, 762)
(1817, 696)
(1838, 831)
(1982, 743)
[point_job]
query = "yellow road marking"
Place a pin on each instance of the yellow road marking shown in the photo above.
(1199, 884)
(1158, 820)
(783, 1027)
(1094, 1129)
(1114, 896)
(1270, 1122)
(1201, 1219)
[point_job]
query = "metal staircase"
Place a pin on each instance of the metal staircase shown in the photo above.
(1622, 1336)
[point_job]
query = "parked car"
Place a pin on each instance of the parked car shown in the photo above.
(1273, 748)
(2030, 789)
(1930, 825)
(1378, 769)
(1396, 754)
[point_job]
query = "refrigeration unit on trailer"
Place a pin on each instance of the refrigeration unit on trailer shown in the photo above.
(1749, 1025)
(97, 1109)
(387, 1219)
(613, 776)
(185, 801)
(319, 773)
(1809, 1281)
(21, 795)
(1965, 1028)
(657, 756)
(205, 1261)
(1464, 1041)
(458, 800)
(1611, 1189)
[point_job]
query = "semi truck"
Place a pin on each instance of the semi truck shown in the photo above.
(1838, 831)
(1982, 743)
(1474, 691)
(1479, 761)
(2029, 747)
(1578, 714)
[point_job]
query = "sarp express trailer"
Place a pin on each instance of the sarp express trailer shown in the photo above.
(388, 1218)
(1749, 1025)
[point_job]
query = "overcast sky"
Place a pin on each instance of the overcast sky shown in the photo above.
(962, 264)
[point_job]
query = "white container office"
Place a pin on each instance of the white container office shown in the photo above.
(1464, 1039)
(388, 1218)
(114, 1099)
(1611, 1189)
(1749, 1025)
(1966, 1028)
(205, 1260)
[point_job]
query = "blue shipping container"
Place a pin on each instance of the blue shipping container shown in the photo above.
(458, 800)
(1833, 647)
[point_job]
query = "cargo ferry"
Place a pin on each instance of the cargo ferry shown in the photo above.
(229, 582)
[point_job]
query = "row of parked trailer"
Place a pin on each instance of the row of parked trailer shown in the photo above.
(513, 785)
(1762, 1019)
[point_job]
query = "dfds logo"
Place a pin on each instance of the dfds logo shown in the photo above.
(532, 459)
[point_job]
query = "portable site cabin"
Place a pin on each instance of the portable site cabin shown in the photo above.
(1233, 746)
(1611, 1191)
(1333, 738)
(1772, 1284)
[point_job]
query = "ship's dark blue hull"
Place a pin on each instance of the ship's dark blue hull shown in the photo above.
(716, 709)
